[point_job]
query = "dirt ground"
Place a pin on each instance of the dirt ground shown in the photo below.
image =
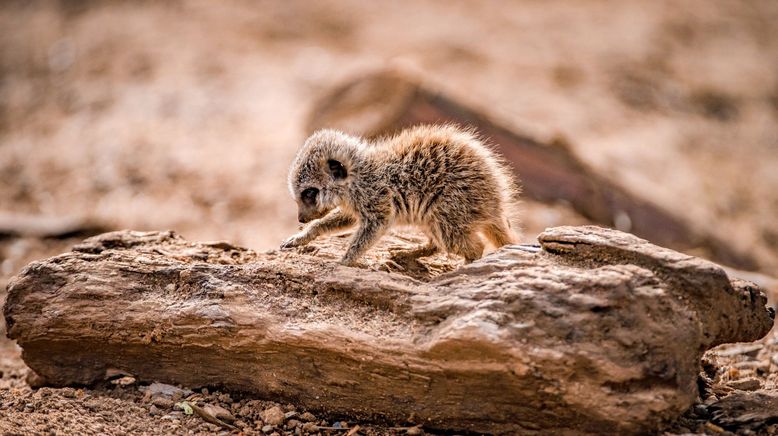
(185, 115)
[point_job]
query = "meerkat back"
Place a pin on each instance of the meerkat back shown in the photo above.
(452, 185)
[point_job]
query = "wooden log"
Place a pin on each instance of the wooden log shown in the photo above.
(594, 331)
(387, 101)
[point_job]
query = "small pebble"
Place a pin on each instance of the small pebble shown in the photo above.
(162, 403)
(273, 416)
(124, 381)
(752, 364)
(292, 423)
(165, 390)
(414, 431)
(310, 427)
(308, 417)
(245, 411)
(267, 429)
(713, 427)
(711, 399)
(218, 412)
(153, 410)
(746, 384)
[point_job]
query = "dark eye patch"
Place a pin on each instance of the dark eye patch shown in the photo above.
(308, 196)
(337, 171)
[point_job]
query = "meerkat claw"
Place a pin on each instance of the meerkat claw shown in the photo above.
(391, 264)
(292, 242)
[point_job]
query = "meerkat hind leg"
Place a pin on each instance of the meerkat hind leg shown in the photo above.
(425, 250)
(498, 233)
(467, 244)
(472, 249)
(409, 259)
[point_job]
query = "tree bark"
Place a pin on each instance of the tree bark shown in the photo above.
(594, 331)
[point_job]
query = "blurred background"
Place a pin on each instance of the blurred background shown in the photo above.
(185, 115)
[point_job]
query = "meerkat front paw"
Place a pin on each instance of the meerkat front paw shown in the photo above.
(293, 241)
(345, 262)
(350, 262)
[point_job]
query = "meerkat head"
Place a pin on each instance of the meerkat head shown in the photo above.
(321, 173)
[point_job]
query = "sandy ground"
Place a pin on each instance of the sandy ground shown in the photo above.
(185, 115)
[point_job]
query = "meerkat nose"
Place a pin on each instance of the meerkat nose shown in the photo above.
(302, 219)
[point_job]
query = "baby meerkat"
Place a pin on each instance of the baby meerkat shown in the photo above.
(442, 179)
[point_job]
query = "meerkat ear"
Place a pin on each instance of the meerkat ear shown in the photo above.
(337, 170)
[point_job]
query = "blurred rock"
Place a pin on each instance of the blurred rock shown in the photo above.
(38, 226)
(385, 102)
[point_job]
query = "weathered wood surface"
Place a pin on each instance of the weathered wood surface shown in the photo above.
(598, 331)
(386, 102)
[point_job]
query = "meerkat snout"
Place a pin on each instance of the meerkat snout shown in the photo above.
(441, 178)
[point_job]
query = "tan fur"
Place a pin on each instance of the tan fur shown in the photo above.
(442, 179)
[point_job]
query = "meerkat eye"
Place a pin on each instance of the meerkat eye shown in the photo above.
(337, 171)
(309, 196)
